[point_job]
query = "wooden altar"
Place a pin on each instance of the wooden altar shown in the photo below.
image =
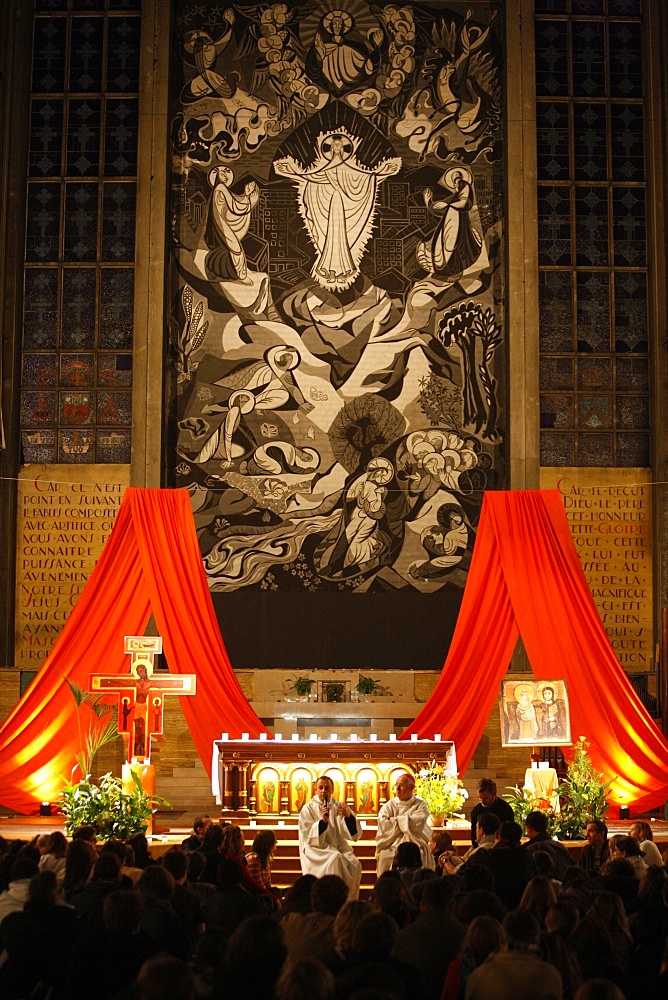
(276, 777)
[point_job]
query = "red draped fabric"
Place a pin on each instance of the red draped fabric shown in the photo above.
(526, 579)
(151, 562)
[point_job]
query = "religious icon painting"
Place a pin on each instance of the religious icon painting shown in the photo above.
(301, 789)
(534, 713)
(339, 782)
(367, 797)
(268, 791)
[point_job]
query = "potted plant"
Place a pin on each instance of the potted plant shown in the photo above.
(367, 686)
(333, 691)
(303, 687)
(115, 812)
(582, 793)
(443, 792)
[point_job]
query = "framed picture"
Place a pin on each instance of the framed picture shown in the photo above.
(534, 713)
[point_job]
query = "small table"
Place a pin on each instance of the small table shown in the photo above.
(543, 782)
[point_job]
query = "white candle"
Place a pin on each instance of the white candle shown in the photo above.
(295, 737)
(373, 737)
(414, 737)
(278, 736)
(393, 737)
(225, 736)
(245, 736)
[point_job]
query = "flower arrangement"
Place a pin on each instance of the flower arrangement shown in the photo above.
(443, 791)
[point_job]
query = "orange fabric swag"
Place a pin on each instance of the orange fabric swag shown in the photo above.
(526, 578)
(151, 562)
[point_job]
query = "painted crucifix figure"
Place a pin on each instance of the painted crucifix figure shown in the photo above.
(141, 695)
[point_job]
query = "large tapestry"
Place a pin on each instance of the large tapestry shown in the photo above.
(336, 317)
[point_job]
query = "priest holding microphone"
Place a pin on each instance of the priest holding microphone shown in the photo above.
(326, 828)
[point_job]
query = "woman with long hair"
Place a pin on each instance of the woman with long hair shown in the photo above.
(537, 898)
(483, 936)
(233, 850)
(642, 832)
(258, 861)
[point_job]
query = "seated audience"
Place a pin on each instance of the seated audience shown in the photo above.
(538, 897)
(258, 863)
(642, 832)
(510, 865)
(309, 935)
(304, 979)
(516, 970)
(442, 850)
(432, 940)
(483, 937)
(200, 825)
(79, 860)
(561, 923)
(53, 855)
(254, 960)
(595, 853)
(16, 894)
(230, 904)
(39, 941)
(540, 840)
(372, 963)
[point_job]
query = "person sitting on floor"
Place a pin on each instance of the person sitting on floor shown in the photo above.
(540, 840)
(258, 862)
(311, 934)
(516, 970)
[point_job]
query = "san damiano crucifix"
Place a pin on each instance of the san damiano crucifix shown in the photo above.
(141, 695)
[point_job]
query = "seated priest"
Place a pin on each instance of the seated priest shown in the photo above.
(325, 829)
(403, 818)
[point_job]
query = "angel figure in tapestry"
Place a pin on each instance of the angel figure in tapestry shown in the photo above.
(337, 201)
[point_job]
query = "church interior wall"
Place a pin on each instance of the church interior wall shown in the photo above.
(370, 494)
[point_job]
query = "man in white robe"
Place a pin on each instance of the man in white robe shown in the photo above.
(325, 829)
(403, 818)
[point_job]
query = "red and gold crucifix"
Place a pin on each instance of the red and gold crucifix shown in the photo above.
(141, 694)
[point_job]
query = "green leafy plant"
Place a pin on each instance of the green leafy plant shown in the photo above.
(367, 685)
(583, 795)
(523, 802)
(333, 691)
(114, 813)
(303, 686)
(443, 791)
(101, 730)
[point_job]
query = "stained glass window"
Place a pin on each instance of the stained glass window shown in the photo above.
(592, 233)
(76, 388)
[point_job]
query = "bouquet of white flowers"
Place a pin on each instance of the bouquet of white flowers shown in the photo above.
(443, 791)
